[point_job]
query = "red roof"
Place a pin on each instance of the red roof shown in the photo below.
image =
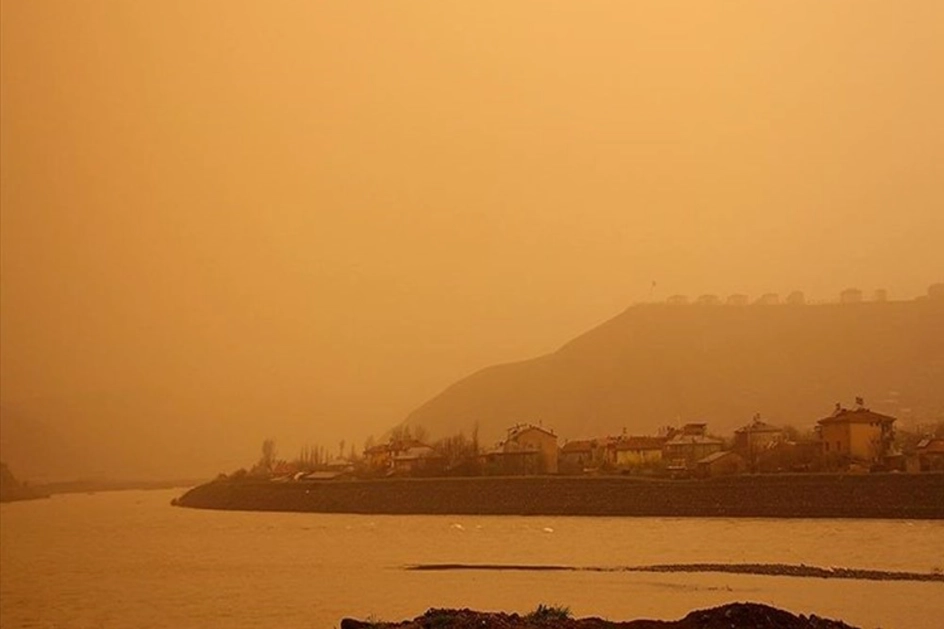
(932, 446)
(520, 429)
(585, 445)
(758, 426)
(859, 416)
(640, 443)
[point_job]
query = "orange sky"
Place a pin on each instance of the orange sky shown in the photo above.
(304, 219)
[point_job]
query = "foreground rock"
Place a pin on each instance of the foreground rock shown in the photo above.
(731, 616)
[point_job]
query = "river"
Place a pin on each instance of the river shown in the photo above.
(128, 559)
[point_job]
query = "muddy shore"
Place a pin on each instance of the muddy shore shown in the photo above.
(731, 616)
(892, 496)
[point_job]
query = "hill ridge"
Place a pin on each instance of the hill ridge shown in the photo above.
(657, 364)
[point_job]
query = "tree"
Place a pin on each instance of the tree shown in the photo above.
(267, 460)
(401, 433)
(420, 434)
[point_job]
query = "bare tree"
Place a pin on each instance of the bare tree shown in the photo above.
(267, 460)
(401, 433)
(420, 434)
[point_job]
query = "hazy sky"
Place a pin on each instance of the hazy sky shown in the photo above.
(305, 218)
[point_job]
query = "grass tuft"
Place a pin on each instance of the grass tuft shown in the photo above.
(549, 612)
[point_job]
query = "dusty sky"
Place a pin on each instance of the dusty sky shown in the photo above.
(304, 219)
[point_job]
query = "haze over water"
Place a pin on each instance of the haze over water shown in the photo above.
(125, 559)
(223, 222)
(227, 221)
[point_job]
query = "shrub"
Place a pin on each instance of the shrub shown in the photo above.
(549, 612)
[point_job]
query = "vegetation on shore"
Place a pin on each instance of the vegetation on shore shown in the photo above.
(730, 616)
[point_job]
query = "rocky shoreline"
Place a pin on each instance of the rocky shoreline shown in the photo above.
(888, 496)
(731, 616)
(762, 569)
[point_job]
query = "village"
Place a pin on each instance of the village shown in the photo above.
(848, 440)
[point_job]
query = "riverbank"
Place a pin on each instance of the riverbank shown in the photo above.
(890, 496)
(731, 616)
(764, 569)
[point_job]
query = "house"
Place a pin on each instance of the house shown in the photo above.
(751, 440)
(726, 463)
(633, 452)
(689, 445)
(930, 453)
(578, 455)
(527, 449)
(382, 458)
(418, 460)
(856, 435)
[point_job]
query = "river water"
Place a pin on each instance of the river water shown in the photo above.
(128, 559)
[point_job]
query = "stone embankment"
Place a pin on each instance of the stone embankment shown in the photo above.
(897, 496)
(731, 616)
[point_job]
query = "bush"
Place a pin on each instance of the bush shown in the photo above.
(549, 612)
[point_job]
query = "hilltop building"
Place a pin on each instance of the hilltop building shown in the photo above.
(850, 296)
(796, 298)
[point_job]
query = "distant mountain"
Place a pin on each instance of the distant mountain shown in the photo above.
(35, 449)
(11, 489)
(655, 365)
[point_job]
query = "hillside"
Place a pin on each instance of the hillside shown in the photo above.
(11, 489)
(661, 364)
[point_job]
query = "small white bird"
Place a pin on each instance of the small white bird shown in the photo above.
(458, 527)
(548, 529)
